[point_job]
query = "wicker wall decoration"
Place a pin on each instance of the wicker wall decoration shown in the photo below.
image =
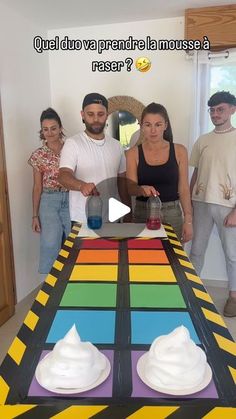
(129, 104)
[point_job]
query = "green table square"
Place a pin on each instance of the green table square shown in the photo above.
(162, 296)
(89, 295)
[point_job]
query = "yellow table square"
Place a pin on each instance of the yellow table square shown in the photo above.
(94, 273)
(151, 273)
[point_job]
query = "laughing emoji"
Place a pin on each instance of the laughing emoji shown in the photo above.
(143, 64)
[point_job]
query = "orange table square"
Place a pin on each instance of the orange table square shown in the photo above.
(147, 256)
(97, 256)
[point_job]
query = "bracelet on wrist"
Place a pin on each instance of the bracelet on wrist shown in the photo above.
(188, 219)
(35, 216)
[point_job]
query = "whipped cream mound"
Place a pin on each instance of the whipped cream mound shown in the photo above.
(71, 364)
(174, 361)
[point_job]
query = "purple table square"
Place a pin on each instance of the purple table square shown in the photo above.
(103, 390)
(142, 390)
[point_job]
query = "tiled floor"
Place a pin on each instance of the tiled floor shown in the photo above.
(9, 330)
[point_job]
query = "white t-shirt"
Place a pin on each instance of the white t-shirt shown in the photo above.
(215, 157)
(93, 161)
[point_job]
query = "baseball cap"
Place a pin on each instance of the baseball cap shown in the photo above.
(95, 98)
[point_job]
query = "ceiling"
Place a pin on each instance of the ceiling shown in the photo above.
(55, 14)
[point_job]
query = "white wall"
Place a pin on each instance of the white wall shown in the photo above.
(24, 92)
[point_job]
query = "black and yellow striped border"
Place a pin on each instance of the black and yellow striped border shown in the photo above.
(115, 412)
(217, 326)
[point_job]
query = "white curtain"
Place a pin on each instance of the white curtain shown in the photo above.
(202, 62)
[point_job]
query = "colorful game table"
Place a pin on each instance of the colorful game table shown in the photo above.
(121, 293)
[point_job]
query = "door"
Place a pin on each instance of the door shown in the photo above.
(7, 274)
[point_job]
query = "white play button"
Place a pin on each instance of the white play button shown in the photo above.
(116, 210)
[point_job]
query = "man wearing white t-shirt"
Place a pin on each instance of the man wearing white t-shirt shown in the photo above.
(213, 187)
(91, 157)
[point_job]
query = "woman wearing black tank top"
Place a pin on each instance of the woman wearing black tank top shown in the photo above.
(158, 166)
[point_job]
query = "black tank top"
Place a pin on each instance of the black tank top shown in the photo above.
(163, 177)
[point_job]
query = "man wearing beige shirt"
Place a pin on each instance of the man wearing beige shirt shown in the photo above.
(213, 188)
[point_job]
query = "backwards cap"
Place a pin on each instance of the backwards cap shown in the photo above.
(95, 98)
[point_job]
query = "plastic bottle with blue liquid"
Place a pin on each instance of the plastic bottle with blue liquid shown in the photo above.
(94, 219)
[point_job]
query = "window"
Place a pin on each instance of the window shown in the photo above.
(213, 72)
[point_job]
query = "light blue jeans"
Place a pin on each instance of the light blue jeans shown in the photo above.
(204, 217)
(55, 225)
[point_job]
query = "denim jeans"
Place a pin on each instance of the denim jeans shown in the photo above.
(204, 217)
(55, 224)
(171, 214)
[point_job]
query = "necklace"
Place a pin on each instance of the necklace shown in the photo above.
(99, 143)
(223, 130)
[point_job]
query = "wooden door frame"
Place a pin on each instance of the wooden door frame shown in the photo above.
(5, 226)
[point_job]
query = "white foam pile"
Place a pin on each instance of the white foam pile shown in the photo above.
(71, 363)
(174, 361)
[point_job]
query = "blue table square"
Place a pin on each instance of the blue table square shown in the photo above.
(92, 325)
(148, 325)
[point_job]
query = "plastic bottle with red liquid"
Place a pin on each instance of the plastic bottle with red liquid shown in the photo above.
(153, 213)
